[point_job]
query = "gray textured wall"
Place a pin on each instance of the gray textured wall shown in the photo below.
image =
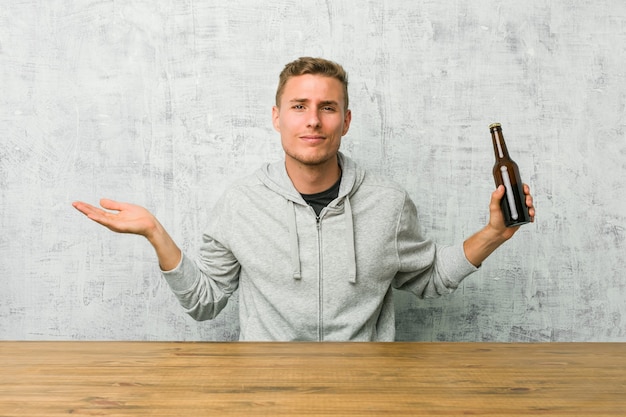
(164, 103)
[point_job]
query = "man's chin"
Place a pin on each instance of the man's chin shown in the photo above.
(313, 160)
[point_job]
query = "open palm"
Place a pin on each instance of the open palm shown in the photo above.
(119, 217)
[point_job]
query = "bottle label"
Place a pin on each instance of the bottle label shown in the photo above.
(500, 153)
(509, 192)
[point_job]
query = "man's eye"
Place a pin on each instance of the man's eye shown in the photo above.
(298, 106)
(329, 109)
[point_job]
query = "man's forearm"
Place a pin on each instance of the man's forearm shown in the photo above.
(167, 251)
(482, 244)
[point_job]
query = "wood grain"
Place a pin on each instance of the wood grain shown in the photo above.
(311, 379)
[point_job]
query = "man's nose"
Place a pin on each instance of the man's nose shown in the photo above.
(313, 119)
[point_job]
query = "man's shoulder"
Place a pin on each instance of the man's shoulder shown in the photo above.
(243, 184)
(366, 177)
(381, 183)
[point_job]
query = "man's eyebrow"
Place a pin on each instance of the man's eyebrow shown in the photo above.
(322, 103)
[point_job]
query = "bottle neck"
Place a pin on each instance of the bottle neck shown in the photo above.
(499, 146)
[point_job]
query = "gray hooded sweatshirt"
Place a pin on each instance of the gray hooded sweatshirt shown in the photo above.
(304, 277)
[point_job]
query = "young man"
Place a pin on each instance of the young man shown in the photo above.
(314, 243)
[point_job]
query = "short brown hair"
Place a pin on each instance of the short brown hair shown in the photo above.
(314, 66)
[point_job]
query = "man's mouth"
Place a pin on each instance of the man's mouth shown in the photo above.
(312, 138)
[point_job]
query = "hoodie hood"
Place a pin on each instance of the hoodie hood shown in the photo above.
(274, 176)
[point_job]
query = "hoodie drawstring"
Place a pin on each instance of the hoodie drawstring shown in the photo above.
(295, 246)
(350, 241)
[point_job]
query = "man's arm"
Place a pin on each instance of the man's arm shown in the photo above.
(202, 298)
(482, 244)
(130, 218)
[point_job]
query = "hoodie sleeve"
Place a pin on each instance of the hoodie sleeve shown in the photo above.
(425, 268)
(204, 286)
(202, 296)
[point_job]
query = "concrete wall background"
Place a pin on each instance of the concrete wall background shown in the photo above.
(164, 103)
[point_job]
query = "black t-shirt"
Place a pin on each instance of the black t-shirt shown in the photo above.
(320, 200)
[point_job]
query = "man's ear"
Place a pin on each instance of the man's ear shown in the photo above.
(346, 122)
(276, 118)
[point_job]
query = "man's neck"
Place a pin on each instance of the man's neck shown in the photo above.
(312, 179)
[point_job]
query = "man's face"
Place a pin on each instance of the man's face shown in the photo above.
(311, 119)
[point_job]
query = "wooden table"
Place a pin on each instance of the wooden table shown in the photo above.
(312, 379)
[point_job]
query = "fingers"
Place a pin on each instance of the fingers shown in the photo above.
(111, 204)
(105, 203)
(497, 195)
(96, 214)
(84, 208)
(529, 197)
(529, 203)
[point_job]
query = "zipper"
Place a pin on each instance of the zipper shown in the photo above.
(320, 287)
(320, 312)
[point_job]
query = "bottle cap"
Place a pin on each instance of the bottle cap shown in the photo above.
(491, 126)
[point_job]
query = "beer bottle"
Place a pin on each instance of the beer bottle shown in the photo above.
(506, 172)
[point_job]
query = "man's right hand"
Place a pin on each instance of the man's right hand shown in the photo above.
(120, 217)
(130, 218)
